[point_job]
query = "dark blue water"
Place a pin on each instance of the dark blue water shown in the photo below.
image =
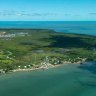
(81, 27)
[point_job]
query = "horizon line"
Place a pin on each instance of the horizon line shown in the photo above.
(45, 20)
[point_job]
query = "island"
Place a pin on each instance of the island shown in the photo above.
(31, 49)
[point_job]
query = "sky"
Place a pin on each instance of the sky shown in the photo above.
(47, 10)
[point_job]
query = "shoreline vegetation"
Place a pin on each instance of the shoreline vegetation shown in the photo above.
(42, 67)
(33, 49)
(48, 67)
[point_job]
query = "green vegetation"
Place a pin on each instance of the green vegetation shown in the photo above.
(27, 48)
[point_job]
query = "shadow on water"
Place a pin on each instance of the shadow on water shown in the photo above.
(62, 41)
(91, 84)
(90, 66)
(87, 78)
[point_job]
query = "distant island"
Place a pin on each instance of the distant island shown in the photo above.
(31, 49)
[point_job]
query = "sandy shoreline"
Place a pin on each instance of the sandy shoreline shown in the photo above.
(39, 68)
(33, 69)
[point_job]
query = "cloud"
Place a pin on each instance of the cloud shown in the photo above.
(92, 13)
(23, 13)
(68, 14)
(71, 15)
(7, 12)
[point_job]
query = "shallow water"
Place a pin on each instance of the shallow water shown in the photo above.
(67, 80)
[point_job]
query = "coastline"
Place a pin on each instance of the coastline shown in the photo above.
(41, 68)
(49, 66)
(33, 69)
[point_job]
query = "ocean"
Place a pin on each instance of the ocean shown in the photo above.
(67, 80)
(78, 27)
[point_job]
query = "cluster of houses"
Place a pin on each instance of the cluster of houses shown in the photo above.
(8, 36)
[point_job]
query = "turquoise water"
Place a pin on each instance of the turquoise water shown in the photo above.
(81, 27)
(67, 80)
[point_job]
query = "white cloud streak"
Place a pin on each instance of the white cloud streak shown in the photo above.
(23, 13)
